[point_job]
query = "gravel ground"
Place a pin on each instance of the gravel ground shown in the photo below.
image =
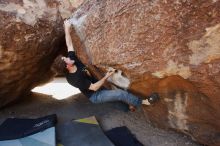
(109, 115)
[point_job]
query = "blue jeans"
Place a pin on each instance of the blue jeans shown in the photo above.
(115, 95)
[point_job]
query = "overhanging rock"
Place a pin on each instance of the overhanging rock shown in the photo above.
(172, 48)
(30, 35)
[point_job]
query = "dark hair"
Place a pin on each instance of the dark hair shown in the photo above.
(59, 66)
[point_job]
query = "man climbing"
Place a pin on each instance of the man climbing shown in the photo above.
(92, 88)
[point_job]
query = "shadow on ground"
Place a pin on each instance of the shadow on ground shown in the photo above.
(109, 115)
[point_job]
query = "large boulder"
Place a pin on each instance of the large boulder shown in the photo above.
(169, 47)
(30, 35)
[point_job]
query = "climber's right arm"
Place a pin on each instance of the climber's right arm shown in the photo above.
(69, 43)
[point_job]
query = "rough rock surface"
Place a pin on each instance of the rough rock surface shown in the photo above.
(30, 35)
(169, 47)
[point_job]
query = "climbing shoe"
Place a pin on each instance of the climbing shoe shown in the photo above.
(154, 97)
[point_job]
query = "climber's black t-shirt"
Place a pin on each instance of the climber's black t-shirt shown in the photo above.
(80, 79)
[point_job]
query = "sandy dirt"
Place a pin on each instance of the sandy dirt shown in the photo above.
(109, 115)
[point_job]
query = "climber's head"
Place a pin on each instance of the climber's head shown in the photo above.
(68, 62)
(63, 64)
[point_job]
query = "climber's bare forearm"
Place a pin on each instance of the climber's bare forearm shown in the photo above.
(96, 86)
(69, 43)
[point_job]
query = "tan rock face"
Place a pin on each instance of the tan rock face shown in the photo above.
(169, 47)
(30, 35)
